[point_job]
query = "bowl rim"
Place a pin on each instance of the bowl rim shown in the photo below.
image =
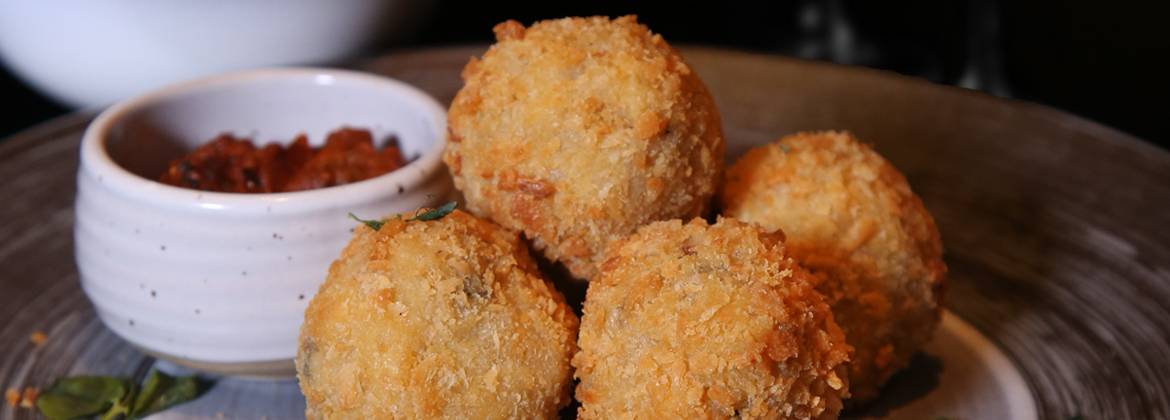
(96, 160)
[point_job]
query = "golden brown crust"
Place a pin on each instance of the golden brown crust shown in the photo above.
(577, 131)
(852, 219)
(439, 319)
(698, 321)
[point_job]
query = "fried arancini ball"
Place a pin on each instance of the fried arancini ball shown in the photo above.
(697, 321)
(851, 219)
(436, 319)
(577, 131)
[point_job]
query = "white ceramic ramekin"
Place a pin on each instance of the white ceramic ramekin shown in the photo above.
(220, 281)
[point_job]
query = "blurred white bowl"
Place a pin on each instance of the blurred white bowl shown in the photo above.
(92, 53)
(220, 281)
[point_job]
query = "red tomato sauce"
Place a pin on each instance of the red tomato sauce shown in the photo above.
(231, 164)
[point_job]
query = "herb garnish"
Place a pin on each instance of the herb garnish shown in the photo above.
(435, 214)
(426, 216)
(116, 398)
(84, 396)
(161, 391)
(373, 224)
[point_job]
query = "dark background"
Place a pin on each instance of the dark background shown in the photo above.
(1106, 61)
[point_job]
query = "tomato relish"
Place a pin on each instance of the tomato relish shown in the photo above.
(231, 164)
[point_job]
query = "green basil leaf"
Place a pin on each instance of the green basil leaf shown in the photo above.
(81, 396)
(162, 391)
(373, 224)
(120, 409)
(155, 383)
(435, 214)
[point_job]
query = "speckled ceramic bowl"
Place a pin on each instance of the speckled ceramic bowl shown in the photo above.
(219, 281)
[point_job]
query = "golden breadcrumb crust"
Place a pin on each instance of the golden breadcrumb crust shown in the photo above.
(851, 219)
(577, 131)
(697, 321)
(437, 319)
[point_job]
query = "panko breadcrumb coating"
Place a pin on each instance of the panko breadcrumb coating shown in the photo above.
(851, 219)
(436, 319)
(697, 321)
(577, 131)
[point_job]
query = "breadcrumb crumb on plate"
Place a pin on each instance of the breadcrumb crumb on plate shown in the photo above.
(12, 397)
(28, 398)
(38, 338)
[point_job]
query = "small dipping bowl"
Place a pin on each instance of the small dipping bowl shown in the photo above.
(219, 282)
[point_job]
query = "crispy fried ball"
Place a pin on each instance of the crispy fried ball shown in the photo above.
(436, 319)
(851, 219)
(577, 131)
(698, 321)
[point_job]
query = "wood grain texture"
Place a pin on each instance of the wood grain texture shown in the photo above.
(1056, 229)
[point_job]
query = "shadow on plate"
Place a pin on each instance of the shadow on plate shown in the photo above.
(912, 383)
